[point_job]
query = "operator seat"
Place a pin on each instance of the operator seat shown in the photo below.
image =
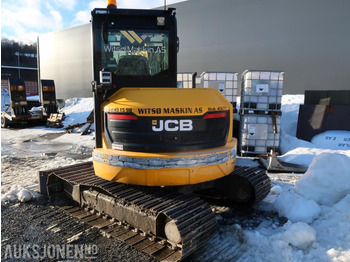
(132, 65)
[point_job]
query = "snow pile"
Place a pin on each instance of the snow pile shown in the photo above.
(24, 195)
(299, 235)
(296, 208)
(17, 192)
(292, 242)
(327, 180)
(318, 209)
(5, 98)
(77, 110)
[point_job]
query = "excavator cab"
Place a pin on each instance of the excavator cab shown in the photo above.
(137, 46)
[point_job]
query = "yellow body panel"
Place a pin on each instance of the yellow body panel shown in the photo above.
(168, 102)
(179, 168)
(182, 175)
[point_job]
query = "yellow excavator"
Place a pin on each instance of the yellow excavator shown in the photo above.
(156, 144)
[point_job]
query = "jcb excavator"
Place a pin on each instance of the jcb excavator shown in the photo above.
(155, 143)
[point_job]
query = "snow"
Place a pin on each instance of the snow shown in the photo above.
(315, 204)
(318, 213)
(296, 208)
(5, 98)
(77, 110)
(290, 243)
(276, 190)
(24, 195)
(322, 184)
(326, 183)
(33, 98)
(36, 109)
(26, 151)
(299, 235)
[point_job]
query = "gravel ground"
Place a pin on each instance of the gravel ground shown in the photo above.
(32, 225)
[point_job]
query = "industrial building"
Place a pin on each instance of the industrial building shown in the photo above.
(308, 40)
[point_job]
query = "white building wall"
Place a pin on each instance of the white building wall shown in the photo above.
(66, 57)
(308, 40)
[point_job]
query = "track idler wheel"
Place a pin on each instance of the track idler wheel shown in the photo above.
(172, 232)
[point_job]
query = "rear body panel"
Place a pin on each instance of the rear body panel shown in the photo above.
(166, 136)
(166, 120)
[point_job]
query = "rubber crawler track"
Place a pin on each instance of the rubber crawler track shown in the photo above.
(257, 178)
(193, 217)
(124, 232)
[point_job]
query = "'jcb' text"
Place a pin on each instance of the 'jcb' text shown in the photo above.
(172, 125)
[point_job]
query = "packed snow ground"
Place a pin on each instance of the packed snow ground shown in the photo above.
(317, 205)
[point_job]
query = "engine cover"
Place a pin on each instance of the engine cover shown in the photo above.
(166, 120)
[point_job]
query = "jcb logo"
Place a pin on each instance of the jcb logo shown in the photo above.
(172, 125)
